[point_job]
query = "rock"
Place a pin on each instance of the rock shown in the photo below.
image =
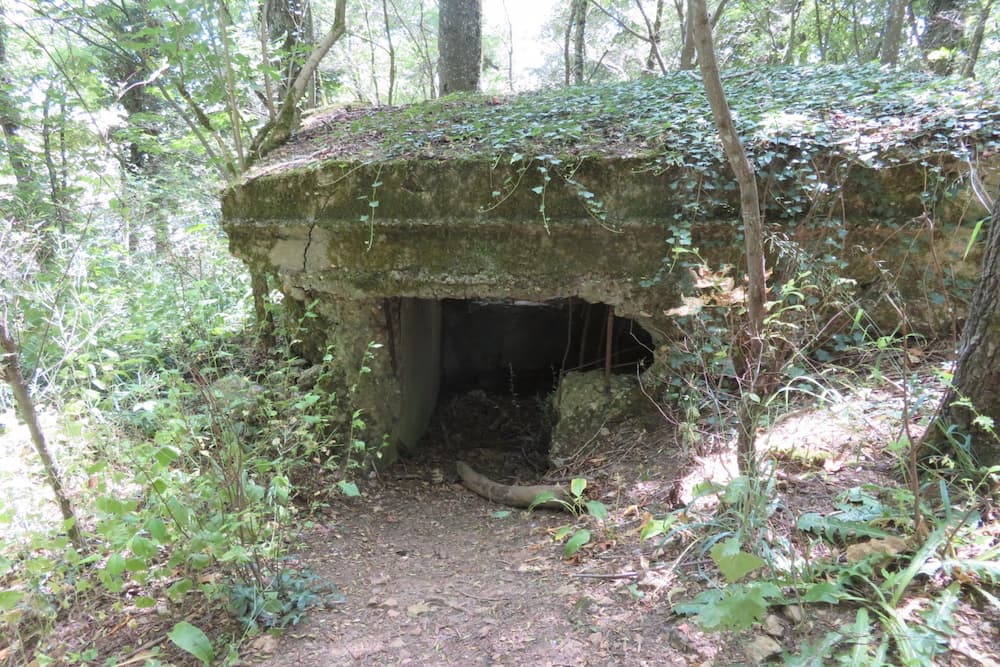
(585, 409)
(265, 644)
(762, 648)
(774, 626)
(795, 613)
(307, 379)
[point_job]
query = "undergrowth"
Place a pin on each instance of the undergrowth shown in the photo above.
(190, 454)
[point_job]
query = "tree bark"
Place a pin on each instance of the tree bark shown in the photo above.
(575, 34)
(687, 36)
(289, 23)
(460, 45)
(10, 369)
(976, 43)
(977, 371)
(748, 354)
(892, 38)
(655, 29)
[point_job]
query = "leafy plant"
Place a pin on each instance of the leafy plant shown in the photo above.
(578, 505)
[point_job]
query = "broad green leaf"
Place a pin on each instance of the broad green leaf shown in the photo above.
(157, 529)
(597, 509)
(577, 486)
(179, 588)
(136, 564)
(733, 562)
(8, 599)
(115, 565)
(500, 514)
(191, 639)
(145, 602)
(825, 591)
(143, 547)
(349, 489)
(574, 543)
(543, 497)
(562, 532)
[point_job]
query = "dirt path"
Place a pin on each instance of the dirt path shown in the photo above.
(432, 577)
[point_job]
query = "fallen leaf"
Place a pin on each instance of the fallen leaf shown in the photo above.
(885, 547)
(264, 644)
(415, 610)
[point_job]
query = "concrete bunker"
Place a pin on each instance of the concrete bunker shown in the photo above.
(418, 262)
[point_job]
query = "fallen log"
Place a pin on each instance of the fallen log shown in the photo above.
(513, 495)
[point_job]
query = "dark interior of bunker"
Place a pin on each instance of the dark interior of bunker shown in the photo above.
(501, 363)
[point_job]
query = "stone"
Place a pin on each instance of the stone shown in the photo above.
(761, 648)
(774, 625)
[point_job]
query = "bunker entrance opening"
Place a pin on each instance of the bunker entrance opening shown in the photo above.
(501, 361)
(521, 348)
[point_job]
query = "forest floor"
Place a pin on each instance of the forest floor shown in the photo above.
(427, 573)
(431, 574)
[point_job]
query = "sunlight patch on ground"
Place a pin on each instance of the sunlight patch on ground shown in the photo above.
(26, 502)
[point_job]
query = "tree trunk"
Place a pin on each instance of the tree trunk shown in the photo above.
(577, 28)
(943, 34)
(289, 24)
(263, 316)
(653, 58)
(892, 38)
(687, 36)
(10, 369)
(748, 354)
(276, 132)
(977, 371)
(460, 45)
(392, 53)
(976, 44)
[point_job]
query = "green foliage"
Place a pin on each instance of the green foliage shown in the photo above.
(193, 640)
(736, 607)
(783, 113)
(285, 601)
(856, 511)
(578, 505)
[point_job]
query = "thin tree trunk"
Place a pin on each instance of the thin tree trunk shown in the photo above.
(793, 37)
(820, 42)
(392, 53)
(275, 133)
(10, 365)
(976, 44)
(748, 354)
(975, 386)
(653, 30)
(687, 37)
(263, 316)
(579, 45)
